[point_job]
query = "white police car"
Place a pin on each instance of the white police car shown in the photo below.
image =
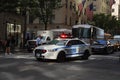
(60, 49)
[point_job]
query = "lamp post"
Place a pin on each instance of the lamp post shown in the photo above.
(14, 27)
(17, 33)
(25, 27)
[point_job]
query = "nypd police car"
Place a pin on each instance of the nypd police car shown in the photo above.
(60, 49)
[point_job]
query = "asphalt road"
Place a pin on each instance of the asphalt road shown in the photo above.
(23, 66)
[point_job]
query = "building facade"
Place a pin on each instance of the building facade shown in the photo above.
(101, 6)
(63, 17)
(88, 8)
(11, 24)
(73, 12)
(115, 9)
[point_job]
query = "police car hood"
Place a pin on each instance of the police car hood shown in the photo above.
(49, 46)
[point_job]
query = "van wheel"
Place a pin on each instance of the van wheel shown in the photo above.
(38, 59)
(61, 57)
(86, 55)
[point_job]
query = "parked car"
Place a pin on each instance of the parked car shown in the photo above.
(116, 44)
(102, 47)
(31, 44)
(60, 49)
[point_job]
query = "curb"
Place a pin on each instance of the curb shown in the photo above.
(16, 51)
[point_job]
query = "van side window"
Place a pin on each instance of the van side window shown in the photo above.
(48, 39)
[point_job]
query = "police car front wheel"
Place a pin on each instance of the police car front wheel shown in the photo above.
(61, 57)
(86, 55)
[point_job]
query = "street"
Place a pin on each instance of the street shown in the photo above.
(23, 66)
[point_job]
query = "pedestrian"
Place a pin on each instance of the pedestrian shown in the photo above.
(0, 44)
(38, 40)
(8, 44)
(3, 45)
(12, 44)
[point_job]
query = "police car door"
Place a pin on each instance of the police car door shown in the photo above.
(72, 48)
(81, 47)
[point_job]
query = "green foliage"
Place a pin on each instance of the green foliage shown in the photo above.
(8, 6)
(107, 22)
(44, 9)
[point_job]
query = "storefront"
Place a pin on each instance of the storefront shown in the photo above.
(11, 24)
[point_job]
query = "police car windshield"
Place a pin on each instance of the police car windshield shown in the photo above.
(58, 42)
(61, 42)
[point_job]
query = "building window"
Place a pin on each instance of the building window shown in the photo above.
(74, 7)
(51, 19)
(66, 3)
(66, 19)
(70, 21)
(70, 5)
(94, 7)
(113, 10)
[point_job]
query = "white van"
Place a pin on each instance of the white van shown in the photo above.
(47, 36)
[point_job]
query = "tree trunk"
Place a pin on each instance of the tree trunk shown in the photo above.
(24, 31)
(45, 26)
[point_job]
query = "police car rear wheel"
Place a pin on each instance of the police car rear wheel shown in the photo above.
(86, 55)
(61, 57)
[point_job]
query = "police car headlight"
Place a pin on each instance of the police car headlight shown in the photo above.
(52, 50)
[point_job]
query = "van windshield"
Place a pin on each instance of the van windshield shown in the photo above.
(43, 38)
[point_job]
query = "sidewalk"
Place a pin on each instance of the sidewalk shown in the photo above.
(18, 56)
(17, 51)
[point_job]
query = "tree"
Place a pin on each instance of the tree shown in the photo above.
(8, 6)
(99, 20)
(107, 22)
(20, 7)
(25, 6)
(45, 10)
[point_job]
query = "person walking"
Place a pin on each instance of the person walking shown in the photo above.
(12, 44)
(38, 40)
(2, 45)
(8, 44)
